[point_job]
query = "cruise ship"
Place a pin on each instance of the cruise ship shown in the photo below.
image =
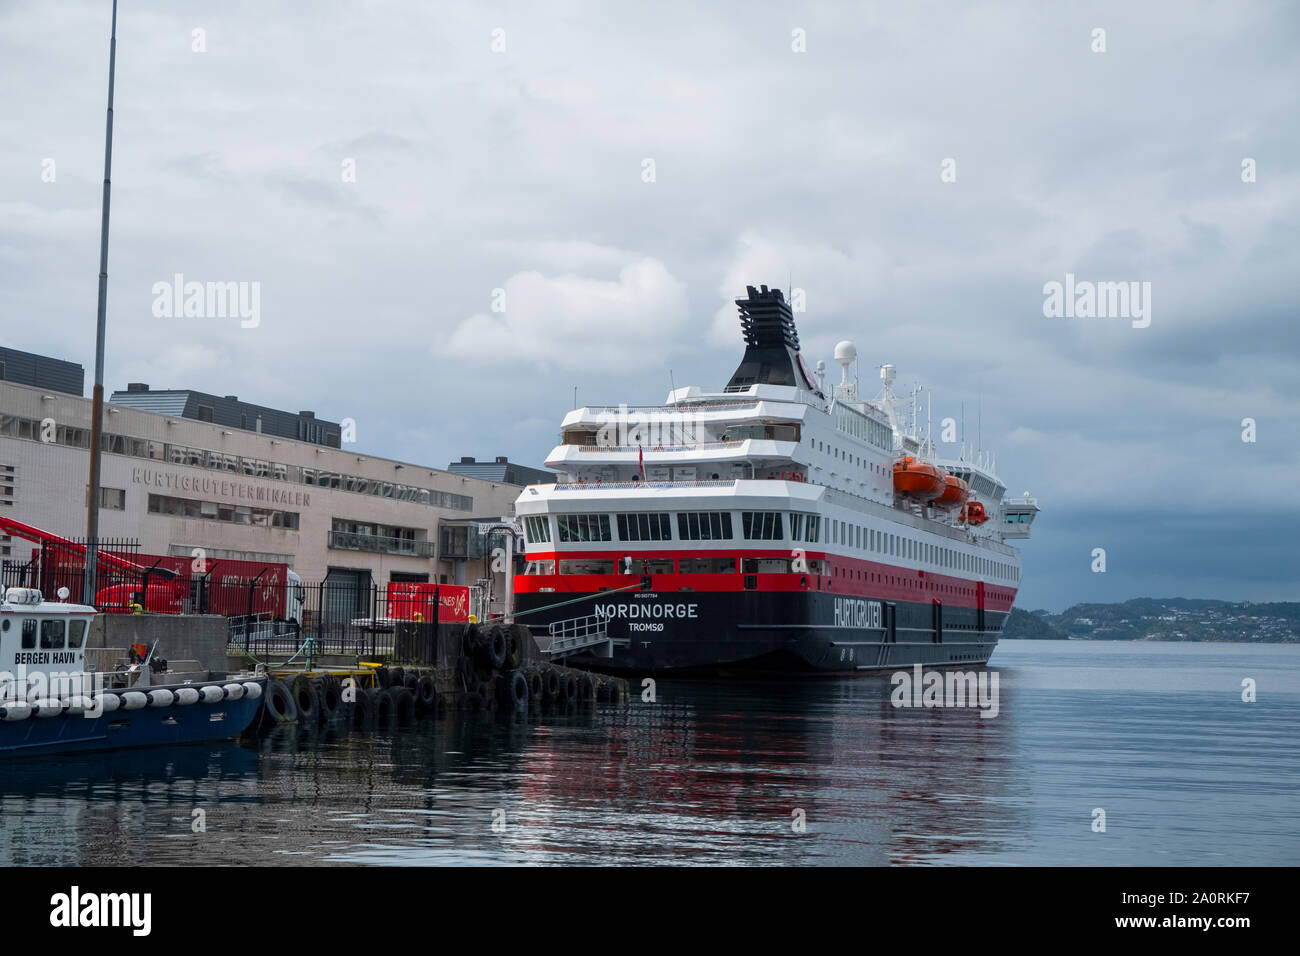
(776, 526)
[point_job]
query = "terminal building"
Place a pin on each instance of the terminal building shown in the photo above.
(183, 469)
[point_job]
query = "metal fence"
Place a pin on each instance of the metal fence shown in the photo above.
(346, 617)
(62, 564)
(338, 617)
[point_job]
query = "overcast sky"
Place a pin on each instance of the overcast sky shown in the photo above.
(524, 169)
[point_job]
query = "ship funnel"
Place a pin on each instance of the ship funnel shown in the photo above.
(771, 344)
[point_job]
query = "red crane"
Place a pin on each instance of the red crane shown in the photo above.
(48, 540)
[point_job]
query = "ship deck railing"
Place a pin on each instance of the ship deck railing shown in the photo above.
(666, 446)
(597, 485)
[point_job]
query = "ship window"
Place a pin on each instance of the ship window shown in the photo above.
(538, 529)
(761, 525)
(540, 567)
(796, 527)
(76, 631)
(29, 633)
(586, 566)
(706, 565)
(644, 527)
(583, 528)
(52, 634)
(704, 525)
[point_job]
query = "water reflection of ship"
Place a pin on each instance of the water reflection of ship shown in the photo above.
(724, 771)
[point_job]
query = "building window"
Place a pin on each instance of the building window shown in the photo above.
(112, 499)
(205, 413)
(220, 511)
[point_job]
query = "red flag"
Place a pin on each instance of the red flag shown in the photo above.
(640, 461)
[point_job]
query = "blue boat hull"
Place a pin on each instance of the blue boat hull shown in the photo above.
(147, 727)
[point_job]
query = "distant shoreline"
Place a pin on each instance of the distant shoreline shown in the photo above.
(1165, 620)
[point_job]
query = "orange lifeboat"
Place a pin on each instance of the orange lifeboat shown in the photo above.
(973, 513)
(955, 492)
(918, 479)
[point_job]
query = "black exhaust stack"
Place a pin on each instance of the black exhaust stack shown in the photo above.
(771, 344)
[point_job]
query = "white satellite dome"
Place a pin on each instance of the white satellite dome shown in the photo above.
(846, 352)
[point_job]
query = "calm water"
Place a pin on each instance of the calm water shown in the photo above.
(1155, 734)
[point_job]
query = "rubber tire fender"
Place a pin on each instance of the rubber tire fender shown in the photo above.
(279, 703)
(516, 635)
(403, 703)
(331, 701)
(493, 652)
(364, 707)
(514, 692)
(426, 693)
(535, 685)
(307, 699)
(552, 684)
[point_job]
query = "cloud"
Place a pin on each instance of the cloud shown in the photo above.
(832, 279)
(574, 322)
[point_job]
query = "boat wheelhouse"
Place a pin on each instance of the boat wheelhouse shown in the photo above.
(51, 703)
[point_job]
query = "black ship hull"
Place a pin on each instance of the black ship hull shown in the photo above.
(715, 633)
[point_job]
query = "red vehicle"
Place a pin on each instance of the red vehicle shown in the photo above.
(171, 584)
(408, 599)
(158, 597)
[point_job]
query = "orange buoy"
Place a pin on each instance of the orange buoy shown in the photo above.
(918, 479)
(955, 492)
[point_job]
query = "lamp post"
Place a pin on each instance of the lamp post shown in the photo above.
(97, 405)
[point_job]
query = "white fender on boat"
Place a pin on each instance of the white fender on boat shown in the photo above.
(133, 700)
(187, 695)
(213, 694)
(47, 707)
(233, 691)
(107, 702)
(252, 689)
(161, 697)
(77, 705)
(16, 710)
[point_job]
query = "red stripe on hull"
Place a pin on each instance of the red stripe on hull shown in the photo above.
(851, 577)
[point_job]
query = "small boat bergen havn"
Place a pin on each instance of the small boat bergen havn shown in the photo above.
(50, 702)
(783, 524)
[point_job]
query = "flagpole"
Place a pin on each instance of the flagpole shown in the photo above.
(97, 405)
